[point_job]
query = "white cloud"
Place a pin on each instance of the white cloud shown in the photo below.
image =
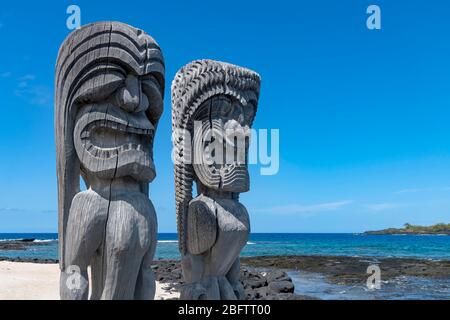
(415, 190)
(8, 209)
(27, 77)
(35, 94)
(300, 208)
(409, 190)
(24, 80)
(383, 206)
(24, 210)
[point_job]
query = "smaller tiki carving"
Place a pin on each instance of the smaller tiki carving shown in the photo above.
(109, 97)
(213, 107)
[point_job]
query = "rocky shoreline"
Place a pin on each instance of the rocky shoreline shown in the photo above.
(353, 270)
(266, 277)
(29, 260)
(22, 244)
(272, 284)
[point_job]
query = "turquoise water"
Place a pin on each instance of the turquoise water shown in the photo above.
(259, 244)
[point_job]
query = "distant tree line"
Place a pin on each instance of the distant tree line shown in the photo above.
(439, 228)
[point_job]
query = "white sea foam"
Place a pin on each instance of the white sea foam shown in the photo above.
(22, 239)
(176, 241)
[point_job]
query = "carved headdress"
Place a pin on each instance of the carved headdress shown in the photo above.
(194, 84)
(92, 64)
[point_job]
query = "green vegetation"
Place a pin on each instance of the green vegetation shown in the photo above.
(440, 228)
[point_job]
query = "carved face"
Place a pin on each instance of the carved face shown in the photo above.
(221, 144)
(115, 126)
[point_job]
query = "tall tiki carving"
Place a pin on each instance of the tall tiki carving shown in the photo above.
(213, 107)
(108, 100)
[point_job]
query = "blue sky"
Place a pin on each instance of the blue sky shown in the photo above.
(363, 115)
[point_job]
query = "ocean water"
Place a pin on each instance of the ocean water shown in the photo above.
(260, 244)
(307, 283)
(399, 288)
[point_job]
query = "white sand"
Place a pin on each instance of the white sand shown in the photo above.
(36, 281)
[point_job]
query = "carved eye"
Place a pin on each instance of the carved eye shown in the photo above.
(151, 89)
(226, 108)
(100, 83)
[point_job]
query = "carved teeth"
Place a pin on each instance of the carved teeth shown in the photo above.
(139, 138)
(115, 126)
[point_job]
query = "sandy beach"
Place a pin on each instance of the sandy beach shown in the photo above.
(40, 281)
(35, 281)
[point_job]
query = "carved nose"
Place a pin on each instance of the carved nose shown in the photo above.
(130, 96)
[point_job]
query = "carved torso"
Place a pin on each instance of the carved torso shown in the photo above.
(233, 230)
(230, 221)
(133, 210)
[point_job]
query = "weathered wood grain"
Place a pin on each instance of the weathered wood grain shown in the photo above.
(213, 227)
(109, 87)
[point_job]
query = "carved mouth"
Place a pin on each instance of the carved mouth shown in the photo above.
(113, 143)
(106, 138)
